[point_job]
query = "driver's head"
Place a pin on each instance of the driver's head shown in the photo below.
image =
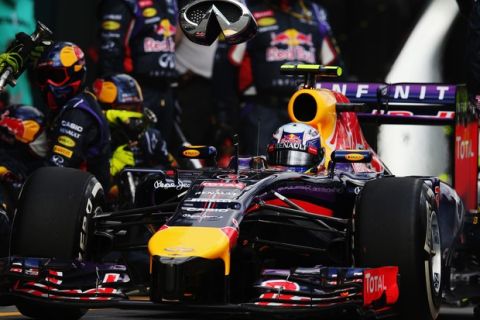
(295, 146)
(119, 91)
(61, 73)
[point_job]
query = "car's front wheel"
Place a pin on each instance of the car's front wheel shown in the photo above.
(397, 224)
(54, 220)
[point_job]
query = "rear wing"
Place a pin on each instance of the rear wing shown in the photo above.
(423, 104)
(401, 103)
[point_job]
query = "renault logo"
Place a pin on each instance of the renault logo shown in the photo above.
(202, 21)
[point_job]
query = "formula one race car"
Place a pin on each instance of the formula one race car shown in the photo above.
(351, 240)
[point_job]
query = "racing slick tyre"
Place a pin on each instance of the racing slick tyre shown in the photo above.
(396, 224)
(53, 220)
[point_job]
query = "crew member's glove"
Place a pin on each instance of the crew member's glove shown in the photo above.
(121, 158)
(132, 122)
(12, 60)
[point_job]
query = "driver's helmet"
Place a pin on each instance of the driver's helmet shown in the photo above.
(296, 147)
(119, 91)
(60, 73)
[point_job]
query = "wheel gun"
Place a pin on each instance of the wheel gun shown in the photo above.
(18, 53)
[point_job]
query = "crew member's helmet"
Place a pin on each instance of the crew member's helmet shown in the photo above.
(21, 123)
(119, 91)
(61, 73)
(295, 146)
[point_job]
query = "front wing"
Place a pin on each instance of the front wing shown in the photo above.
(301, 291)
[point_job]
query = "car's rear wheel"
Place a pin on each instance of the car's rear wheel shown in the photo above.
(396, 224)
(53, 220)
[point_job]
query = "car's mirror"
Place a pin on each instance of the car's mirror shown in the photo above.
(349, 156)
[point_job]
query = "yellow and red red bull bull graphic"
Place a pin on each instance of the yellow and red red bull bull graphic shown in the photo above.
(168, 31)
(291, 45)
(291, 138)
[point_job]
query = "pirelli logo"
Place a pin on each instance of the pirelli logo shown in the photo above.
(62, 151)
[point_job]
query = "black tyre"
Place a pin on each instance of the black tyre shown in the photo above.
(54, 214)
(396, 224)
(53, 220)
(47, 312)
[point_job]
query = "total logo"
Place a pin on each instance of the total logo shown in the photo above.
(375, 284)
(464, 148)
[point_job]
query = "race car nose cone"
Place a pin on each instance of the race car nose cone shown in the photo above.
(184, 242)
(202, 21)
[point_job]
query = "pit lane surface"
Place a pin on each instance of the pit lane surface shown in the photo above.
(10, 313)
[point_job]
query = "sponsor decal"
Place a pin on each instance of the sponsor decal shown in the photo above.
(209, 200)
(279, 286)
(166, 29)
(178, 249)
(300, 47)
(464, 148)
(71, 125)
(267, 21)
(236, 185)
(380, 282)
(149, 12)
(268, 29)
(291, 37)
(159, 184)
(66, 141)
(152, 20)
(217, 193)
(354, 157)
(291, 54)
(145, 3)
(109, 35)
(69, 132)
(412, 92)
(262, 14)
(110, 25)
(230, 176)
(204, 210)
(58, 160)
(167, 61)
(191, 153)
(201, 217)
(112, 17)
(292, 137)
(62, 151)
(111, 278)
(290, 145)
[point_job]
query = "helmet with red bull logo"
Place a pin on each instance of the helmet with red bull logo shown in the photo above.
(295, 146)
(60, 73)
(119, 91)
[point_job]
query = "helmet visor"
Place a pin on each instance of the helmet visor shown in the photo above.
(55, 76)
(287, 157)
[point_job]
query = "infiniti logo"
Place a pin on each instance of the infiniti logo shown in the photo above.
(202, 21)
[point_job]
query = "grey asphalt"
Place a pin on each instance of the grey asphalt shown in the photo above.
(10, 313)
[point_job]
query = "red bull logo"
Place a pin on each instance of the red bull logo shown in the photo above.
(291, 138)
(291, 37)
(300, 47)
(166, 28)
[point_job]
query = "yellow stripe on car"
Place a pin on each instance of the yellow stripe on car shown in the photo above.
(181, 242)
